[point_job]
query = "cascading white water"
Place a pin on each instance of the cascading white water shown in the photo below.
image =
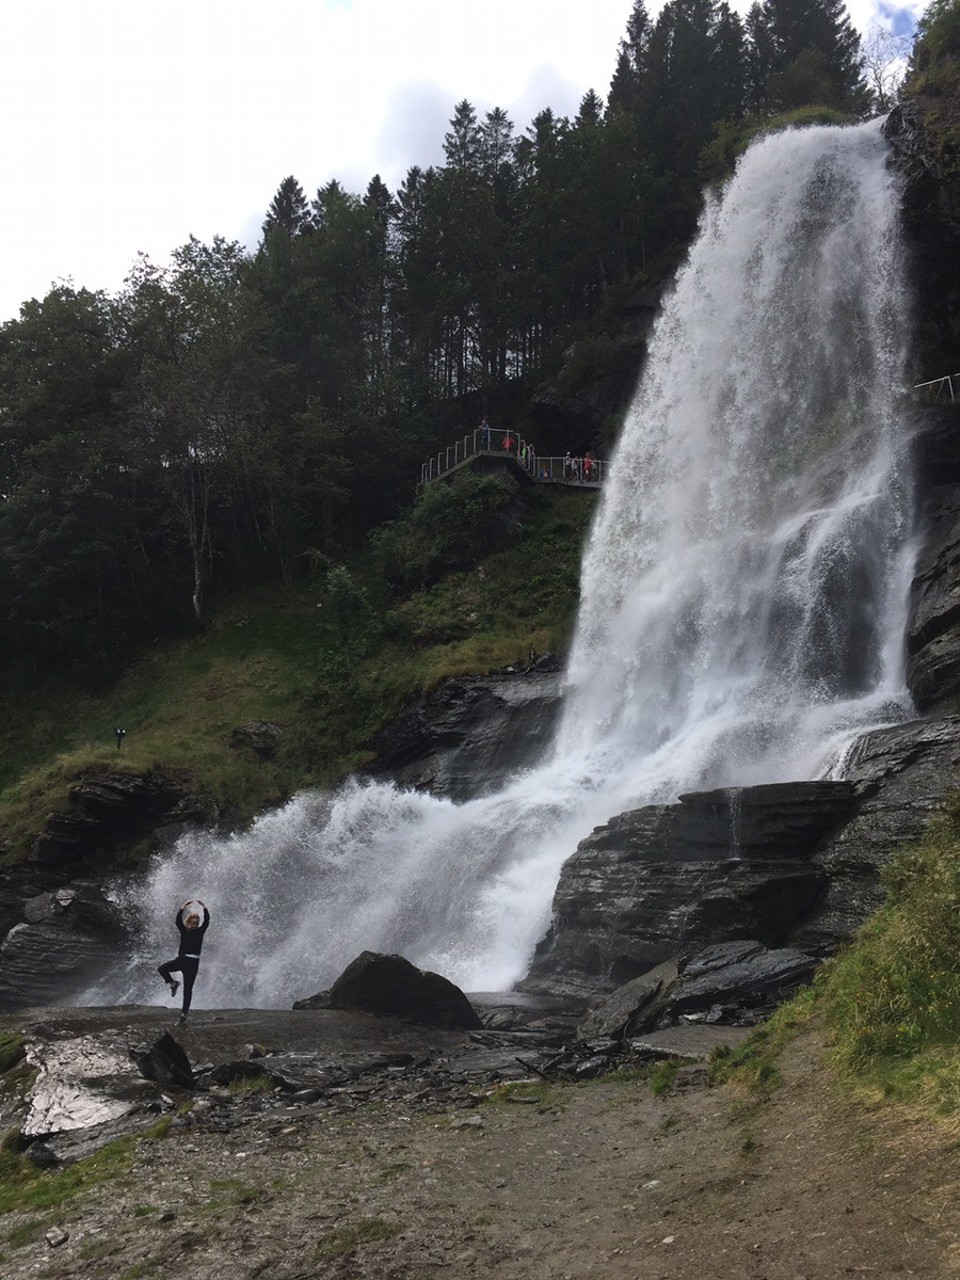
(742, 615)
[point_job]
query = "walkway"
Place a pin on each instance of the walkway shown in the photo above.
(578, 473)
(945, 388)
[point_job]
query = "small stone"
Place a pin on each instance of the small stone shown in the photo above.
(467, 1122)
(56, 1236)
(41, 1156)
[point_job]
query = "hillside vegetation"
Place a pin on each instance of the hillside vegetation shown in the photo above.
(475, 576)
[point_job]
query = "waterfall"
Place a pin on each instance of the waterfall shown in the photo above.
(742, 612)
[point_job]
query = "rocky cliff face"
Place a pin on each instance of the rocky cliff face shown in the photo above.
(469, 735)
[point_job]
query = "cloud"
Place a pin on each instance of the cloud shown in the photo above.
(417, 116)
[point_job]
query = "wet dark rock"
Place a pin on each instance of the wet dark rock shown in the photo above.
(731, 983)
(903, 774)
(166, 1063)
(920, 130)
(631, 1007)
(41, 1156)
(113, 810)
(671, 879)
(732, 978)
(66, 940)
(392, 985)
(262, 737)
(470, 734)
(933, 637)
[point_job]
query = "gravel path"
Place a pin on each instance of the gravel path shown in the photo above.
(598, 1179)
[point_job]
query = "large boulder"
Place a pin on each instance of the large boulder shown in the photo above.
(732, 983)
(390, 984)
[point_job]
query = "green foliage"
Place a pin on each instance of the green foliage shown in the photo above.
(347, 1240)
(755, 1062)
(453, 523)
(938, 38)
(23, 1187)
(349, 626)
(894, 995)
(719, 157)
(663, 1075)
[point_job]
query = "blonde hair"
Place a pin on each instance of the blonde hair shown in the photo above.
(192, 920)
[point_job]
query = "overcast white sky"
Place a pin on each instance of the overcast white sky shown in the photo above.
(130, 125)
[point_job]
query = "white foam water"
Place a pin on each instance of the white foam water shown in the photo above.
(743, 606)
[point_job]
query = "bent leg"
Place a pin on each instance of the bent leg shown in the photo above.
(171, 966)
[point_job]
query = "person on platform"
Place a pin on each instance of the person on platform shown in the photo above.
(191, 930)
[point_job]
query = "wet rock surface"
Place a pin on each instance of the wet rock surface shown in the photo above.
(671, 880)
(933, 637)
(471, 734)
(903, 774)
(100, 1073)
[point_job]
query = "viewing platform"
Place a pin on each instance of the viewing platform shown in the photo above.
(937, 390)
(519, 456)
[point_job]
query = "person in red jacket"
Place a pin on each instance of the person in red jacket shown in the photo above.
(191, 930)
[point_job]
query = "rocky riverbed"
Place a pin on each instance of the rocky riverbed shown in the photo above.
(417, 1153)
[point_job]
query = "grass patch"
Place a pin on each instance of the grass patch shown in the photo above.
(238, 1192)
(663, 1075)
(891, 1000)
(536, 1093)
(23, 1187)
(256, 1082)
(346, 1240)
(12, 1050)
(754, 1063)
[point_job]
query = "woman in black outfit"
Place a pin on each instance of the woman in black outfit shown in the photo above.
(188, 959)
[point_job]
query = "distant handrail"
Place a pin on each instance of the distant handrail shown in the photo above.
(580, 472)
(946, 381)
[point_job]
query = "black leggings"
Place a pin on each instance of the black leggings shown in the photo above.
(186, 965)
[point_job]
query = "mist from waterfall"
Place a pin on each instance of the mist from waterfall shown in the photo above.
(742, 611)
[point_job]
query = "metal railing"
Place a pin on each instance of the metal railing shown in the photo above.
(583, 472)
(934, 390)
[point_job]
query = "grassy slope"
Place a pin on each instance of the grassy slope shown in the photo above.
(260, 656)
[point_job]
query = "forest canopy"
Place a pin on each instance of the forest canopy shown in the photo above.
(232, 416)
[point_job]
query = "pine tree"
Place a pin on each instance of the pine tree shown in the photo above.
(815, 56)
(288, 212)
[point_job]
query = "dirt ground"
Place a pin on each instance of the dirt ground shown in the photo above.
(598, 1179)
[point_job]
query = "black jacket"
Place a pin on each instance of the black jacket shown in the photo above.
(191, 940)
